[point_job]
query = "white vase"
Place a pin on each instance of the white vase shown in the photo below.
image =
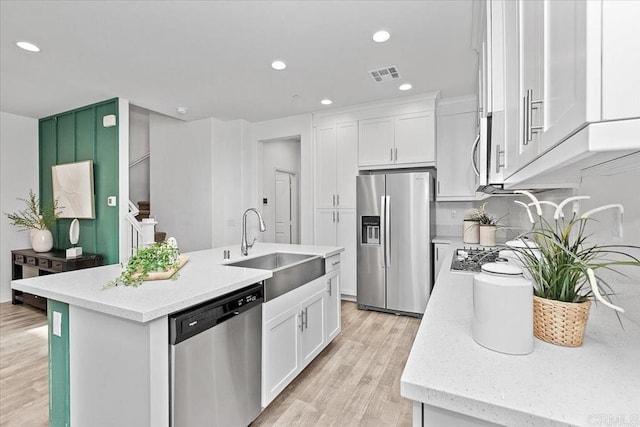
(470, 231)
(488, 235)
(41, 240)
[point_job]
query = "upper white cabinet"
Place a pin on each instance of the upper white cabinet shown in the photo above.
(577, 97)
(401, 140)
(376, 142)
(336, 165)
(457, 133)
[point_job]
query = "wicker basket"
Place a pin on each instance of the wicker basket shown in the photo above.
(558, 322)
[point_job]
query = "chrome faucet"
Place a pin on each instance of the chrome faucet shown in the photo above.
(245, 246)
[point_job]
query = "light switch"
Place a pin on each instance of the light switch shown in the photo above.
(111, 201)
(57, 323)
(109, 121)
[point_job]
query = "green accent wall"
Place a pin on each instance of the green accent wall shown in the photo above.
(75, 136)
(59, 407)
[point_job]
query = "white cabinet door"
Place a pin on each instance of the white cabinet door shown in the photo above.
(531, 23)
(312, 337)
(281, 352)
(456, 134)
(332, 305)
(440, 254)
(375, 145)
(325, 227)
(346, 164)
(346, 237)
(565, 70)
(326, 167)
(415, 139)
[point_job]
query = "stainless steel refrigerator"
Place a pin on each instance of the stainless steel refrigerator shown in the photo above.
(395, 214)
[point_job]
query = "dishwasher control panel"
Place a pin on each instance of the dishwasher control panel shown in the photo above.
(192, 321)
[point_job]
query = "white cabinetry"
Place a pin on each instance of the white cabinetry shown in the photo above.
(401, 140)
(337, 227)
(440, 254)
(457, 132)
(296, 327)
(579, 102)
(336, 165)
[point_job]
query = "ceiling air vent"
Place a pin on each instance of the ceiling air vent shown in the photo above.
(385, 74)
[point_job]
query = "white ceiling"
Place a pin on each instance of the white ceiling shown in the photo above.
(213, 57)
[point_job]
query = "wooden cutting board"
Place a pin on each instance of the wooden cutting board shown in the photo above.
(164, 275)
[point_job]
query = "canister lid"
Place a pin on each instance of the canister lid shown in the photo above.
(502, 268)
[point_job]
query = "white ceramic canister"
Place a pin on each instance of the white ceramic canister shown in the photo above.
(470, 231)
(514, 256)
(503, 309)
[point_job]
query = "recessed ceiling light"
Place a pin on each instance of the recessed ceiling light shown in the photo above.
(405, 86)
(278, 65)
(28, 46)
(181, 110)
(326, 101)
(381, 36)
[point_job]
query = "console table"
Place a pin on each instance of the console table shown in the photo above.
(42, 263)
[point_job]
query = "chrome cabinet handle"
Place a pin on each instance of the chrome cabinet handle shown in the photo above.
(334, 216)
(329, 286)
(525, 116)
(301, 321)
(530, 129)
(437, 254)
(306, 318)
(383, 221)
(337, 200)
(334, 200)
(438, 186)
(474, 152)
(391, 154)
(337, 216)
(396, 151)
(333, 264)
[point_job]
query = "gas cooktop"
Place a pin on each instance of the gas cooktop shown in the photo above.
(469, 260)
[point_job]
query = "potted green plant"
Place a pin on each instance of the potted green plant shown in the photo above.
(563, 264)
(38, 221)
(487, 225)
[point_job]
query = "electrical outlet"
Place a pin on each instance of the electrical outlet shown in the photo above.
(454, 214)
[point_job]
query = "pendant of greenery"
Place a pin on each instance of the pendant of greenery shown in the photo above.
(34, 218)
(157, 257)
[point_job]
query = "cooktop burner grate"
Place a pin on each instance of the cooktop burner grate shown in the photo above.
(471, 259)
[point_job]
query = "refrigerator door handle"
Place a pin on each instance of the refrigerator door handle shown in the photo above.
(383, 222)
(387, 233)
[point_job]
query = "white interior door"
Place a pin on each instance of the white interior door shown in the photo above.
(283, 207)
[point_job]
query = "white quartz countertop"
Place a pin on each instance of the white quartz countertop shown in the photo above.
(202, 278)
(552, 386)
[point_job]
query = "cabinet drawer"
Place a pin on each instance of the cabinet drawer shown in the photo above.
(56, 265)
(32, 261)
(20, 259)
(34, 300)
(332, 263)
(43, 263)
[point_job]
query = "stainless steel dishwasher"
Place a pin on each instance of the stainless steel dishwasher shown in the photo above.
(215, 366)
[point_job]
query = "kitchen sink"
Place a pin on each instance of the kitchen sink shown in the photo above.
(289, 271)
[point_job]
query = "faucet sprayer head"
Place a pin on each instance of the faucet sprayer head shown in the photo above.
(263, 227)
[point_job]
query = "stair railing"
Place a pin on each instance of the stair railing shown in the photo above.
(134, 230)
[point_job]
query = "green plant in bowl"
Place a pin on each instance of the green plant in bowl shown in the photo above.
(33, 217)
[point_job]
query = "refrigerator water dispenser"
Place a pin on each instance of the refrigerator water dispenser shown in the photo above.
(370, 230)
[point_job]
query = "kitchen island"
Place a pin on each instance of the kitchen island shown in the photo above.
(455, 381)
(109, 349)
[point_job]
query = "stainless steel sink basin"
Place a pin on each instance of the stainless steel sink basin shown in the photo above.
(289, 271)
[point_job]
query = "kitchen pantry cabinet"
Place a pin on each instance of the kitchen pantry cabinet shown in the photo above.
(401, 140)
(296, 327)
(336, 165)
(337, 227)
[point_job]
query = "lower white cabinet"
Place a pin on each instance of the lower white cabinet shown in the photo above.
(296, 327)
(440, 252)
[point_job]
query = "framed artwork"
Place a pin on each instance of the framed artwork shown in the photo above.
(73, 188)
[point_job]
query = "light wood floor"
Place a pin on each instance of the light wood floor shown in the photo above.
(354, 381)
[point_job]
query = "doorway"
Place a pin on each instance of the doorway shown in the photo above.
(280, 189)
(286, 206)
